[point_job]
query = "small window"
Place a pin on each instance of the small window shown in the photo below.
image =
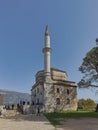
(41, 93)
(35, 93)
(68, 101)
(58, 90)
(37, 90)
(32, 102)
(37, 101)
(57, 101)
(68, 91)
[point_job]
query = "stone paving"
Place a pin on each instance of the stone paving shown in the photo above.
(15, 121)
(25, 122)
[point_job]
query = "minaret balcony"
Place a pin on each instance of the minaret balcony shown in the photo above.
(47, 49)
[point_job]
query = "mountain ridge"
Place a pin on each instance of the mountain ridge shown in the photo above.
(14, 97)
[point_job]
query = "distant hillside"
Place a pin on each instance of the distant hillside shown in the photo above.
(12, 97)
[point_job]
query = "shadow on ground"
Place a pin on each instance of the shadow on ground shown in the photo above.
(80, 124)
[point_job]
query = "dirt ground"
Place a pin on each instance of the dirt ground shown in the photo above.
(13, 121)
(16, 121)
(79, 124)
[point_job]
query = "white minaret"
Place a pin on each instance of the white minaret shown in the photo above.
(47, 52)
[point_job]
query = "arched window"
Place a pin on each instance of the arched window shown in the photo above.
(35, 93)
(58, 90)
(37, 90)
(32, 102)
(57, 101)
(68, 91)
(37, 103)
(68, 101)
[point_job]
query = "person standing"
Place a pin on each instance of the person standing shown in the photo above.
(38, 110)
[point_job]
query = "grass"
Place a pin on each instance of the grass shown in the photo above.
(56, 117)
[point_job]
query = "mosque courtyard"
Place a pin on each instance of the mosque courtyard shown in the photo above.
(33, 122)
(25, 122)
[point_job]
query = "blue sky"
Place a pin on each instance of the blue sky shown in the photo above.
(73, 26)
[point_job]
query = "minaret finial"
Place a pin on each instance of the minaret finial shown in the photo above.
(47, 31)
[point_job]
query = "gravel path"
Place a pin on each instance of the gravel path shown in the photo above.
(25, 122)
(14, 121)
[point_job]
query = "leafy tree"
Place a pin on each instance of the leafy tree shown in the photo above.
(81, 104)
(90, 103)
(86, 104)
(89, 68)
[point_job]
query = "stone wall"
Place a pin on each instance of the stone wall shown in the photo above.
(67, 96)
(58, 74)
(1, 100)
(48, 97)
(38, 94)
(56, 94)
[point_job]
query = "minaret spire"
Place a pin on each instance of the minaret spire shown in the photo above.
(47, 31)
(47, 53)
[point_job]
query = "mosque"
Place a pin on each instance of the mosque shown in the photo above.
(52, 91)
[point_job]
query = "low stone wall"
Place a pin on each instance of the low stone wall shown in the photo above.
(2, 110)
(32, 109)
